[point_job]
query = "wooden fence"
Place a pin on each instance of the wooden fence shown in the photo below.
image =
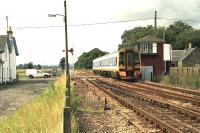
(185, 76)
(184, 71)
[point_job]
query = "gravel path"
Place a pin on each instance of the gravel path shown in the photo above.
(14, 95)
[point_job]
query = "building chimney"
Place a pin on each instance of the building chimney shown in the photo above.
(190, 45)
(10, 33)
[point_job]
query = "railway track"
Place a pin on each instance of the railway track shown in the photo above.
(183, 98)
(168, 117)
(168, 93)
(179, 89)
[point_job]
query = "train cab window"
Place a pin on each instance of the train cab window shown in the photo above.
(136, 58)
(129, 59)
(121, 59)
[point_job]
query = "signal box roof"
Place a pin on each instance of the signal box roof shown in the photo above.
(128, 48)
(151, 39)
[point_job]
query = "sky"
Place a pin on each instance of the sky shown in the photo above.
(41, 39)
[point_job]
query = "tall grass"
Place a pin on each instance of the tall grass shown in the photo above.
(43, 114)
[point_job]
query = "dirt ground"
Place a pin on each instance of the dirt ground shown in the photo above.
(92, 118)
(14, 95)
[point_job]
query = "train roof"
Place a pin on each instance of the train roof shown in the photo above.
(107, 56)
(114, 54)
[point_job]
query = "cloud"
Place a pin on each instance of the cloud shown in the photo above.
(179, 9)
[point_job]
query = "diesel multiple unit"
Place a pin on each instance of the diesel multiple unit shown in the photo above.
(123, 64)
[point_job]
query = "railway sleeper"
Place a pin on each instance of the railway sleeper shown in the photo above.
(166, 105)
(141, 112)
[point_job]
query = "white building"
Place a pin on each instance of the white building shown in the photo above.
(8, 53)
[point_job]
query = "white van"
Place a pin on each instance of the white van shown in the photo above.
(33, 73)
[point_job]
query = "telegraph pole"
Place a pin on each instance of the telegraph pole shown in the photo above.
(155, 23)
(164, 33)
(7, 22)
(67, 109)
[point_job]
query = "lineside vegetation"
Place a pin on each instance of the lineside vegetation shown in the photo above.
(43, 114)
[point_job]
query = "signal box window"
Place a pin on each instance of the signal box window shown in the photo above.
(148, 48)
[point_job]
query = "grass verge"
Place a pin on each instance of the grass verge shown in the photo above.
(43, 114)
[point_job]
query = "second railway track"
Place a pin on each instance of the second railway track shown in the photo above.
(167, 116)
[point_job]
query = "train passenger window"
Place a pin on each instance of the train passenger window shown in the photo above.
(114, 61)
(129, 59)
(121, 59)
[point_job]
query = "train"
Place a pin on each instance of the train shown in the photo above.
(122, 64)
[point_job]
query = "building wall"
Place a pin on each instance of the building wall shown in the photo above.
(13, 64)
(1, 68)
(1, 73)
(192, 59)
(155, 60)
(5, 58)
(4, 69)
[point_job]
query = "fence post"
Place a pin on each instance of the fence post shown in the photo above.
(169, 74)
(177, 76)
(66, 114)
(66, 121)
(198, 78)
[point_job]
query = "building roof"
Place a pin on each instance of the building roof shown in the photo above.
(180, 55)
(150, 39)
(4, 39)
(177, 54)
(15, 47)
(186, 53)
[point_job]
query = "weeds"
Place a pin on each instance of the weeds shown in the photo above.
(43, 114)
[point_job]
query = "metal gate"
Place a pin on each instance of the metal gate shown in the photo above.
(147, 72)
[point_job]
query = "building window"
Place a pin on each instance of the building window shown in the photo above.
(148, 48)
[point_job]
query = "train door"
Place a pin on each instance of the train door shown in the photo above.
(122, 64)
(129, 61)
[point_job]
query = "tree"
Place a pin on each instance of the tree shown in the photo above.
(38, 66)
(179, 34)
(129, 37)
(85, 60)
(184, 38)
(30, 65)
(20, 66)
(62, 63)
(179, 27)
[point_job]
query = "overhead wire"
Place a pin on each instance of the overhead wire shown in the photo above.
(104, 23)
(174, 19)
(86, 24)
